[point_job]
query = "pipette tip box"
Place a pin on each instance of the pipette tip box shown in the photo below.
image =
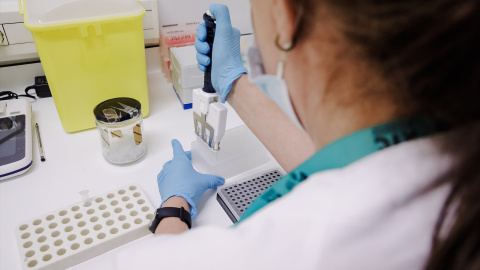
(185, 74)
(235, 197)
(79, 232)
(185, 106)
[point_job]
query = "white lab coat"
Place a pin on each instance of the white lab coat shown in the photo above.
(369, 215)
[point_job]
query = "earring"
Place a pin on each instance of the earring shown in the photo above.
(285, 48)
(283, 55)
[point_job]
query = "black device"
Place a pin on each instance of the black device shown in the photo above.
(41, 87)
(211, 25)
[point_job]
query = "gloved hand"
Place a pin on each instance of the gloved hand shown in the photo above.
(179, 178)
(226, 56)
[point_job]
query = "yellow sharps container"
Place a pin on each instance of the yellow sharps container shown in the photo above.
(91, 51)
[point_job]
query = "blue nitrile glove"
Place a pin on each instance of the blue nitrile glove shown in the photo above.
(179, 178)
(227, 61)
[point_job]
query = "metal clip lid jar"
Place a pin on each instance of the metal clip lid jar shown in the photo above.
(120, 124)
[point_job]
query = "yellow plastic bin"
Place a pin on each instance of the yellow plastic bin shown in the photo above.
(91, 51)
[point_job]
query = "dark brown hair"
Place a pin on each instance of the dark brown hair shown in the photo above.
(431, 51)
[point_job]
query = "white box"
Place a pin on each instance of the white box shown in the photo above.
(185, 73)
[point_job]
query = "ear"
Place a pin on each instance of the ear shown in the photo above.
(285, 22)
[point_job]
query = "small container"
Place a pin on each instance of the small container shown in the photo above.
(120, 123)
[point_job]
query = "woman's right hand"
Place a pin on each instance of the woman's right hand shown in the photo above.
(228, 65)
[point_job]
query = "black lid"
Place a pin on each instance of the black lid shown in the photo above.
(117, 110)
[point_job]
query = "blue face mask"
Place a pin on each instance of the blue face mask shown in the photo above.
(273, 86)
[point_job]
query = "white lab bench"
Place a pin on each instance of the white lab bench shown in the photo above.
(74, 162)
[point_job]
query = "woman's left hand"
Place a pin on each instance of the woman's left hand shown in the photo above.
(179, 178)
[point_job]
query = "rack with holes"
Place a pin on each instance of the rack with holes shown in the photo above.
(81, 231)
(237, 196)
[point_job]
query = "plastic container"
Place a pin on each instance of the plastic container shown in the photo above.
(91, 51)
(240, 151)
(120, 124)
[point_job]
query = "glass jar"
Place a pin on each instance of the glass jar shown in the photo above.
(119, 121)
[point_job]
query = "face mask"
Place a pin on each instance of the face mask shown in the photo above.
(273, 86)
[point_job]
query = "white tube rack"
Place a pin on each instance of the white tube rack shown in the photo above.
(81, 231)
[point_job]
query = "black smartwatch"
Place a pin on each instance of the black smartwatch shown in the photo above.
(164, 212)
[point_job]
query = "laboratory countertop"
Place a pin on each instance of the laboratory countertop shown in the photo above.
(74, 163)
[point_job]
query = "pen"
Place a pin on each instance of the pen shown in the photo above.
(40, 145)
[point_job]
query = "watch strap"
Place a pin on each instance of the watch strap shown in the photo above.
(164, 212)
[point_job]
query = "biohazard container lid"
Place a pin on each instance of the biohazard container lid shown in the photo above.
(63, 12)
(117, 110)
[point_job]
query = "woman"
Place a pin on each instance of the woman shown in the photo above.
(385, 174)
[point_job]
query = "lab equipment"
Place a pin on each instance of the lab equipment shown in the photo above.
(209, 115)
(79, 232)
(228, 60)
(90, 51)
(209, 118)
(40, 144)
(15, 137)
(120, 124)
(235, 197)
(87, 200)
(185, 74)
(241, 151)
(179, 178)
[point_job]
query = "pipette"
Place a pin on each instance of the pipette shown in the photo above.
(209, 115)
